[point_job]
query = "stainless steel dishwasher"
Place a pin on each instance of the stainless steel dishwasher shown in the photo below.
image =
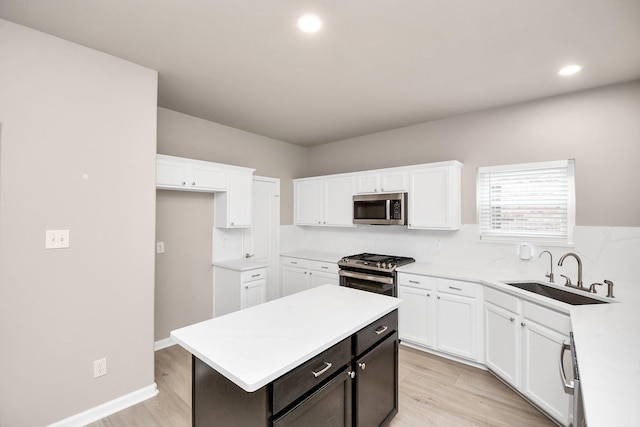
(573, 387)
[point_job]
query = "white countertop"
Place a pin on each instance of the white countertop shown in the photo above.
(607, 339)
(242, 264)
(253, 347)
(314, 255)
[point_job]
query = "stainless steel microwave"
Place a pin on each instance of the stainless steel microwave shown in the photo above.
(380, 209)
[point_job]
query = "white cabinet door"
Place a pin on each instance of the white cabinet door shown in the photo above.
(294, 280)
(338, 201)
(368, 182)
(456, 325)
(415, 315)
(253, 293)
(205, 177)
(233, 207)
(434, 197)
(170, 173)
(393, 181)
(502, 343)
(323, 278)
(309, 202)
(541, 380)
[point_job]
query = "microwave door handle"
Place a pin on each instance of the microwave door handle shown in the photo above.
(388, 205)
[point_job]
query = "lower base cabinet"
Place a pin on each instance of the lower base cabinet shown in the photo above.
(353, 383)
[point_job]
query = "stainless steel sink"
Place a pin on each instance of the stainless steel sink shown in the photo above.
(555, 293)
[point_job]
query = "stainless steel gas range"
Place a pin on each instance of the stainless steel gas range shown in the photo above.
(371, 272)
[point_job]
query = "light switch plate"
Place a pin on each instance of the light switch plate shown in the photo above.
(56, 239)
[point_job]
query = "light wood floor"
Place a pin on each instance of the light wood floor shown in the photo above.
(433, 392)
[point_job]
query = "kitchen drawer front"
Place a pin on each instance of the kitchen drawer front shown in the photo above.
(251, 275)
(550, 318)
(506, 301)
(457, 287)
(307, 376)
(295, 262)
(416, 281)
(375, 332)
(329, 267)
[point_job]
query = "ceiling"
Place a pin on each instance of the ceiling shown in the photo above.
(375, 65)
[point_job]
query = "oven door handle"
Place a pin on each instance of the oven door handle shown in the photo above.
(379, 279)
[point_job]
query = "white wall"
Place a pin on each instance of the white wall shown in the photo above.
(599, 128)
(77, 152)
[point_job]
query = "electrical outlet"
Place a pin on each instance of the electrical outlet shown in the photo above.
(160, 247)
(99, 367)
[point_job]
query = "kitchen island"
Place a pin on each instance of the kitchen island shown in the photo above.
(305, 356)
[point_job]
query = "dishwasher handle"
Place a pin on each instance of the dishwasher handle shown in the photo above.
(568, 386)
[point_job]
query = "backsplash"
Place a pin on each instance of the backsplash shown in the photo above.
(606, 252)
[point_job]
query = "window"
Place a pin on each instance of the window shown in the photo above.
(527, 202)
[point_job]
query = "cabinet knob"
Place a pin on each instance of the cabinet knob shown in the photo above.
(351, 374)
(233, 223)
(193, 183)
(512, 318)
(184, 183)
(523, 324)
(362, 365)
(428, 295)
(246, 287)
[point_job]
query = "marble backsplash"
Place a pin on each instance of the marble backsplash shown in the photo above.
(607, 252)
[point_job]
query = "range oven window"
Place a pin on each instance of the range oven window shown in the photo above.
(368, 285)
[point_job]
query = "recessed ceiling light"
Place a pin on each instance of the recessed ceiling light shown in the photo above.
(569, 70)
(309, 23)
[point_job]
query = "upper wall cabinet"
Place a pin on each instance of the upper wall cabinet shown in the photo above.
(434, 196)
(382, 181)
(177, 173)
(232, 185)
(324, 201)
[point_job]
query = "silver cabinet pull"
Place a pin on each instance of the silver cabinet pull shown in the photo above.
(455, 289)
(255, 275)
(381, 330)
(414, 281)
(327, 366)
(294, 262)
(324, 267)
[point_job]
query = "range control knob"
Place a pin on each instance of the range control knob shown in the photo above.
(391, 265)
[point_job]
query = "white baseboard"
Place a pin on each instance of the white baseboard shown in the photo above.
(160, 344)
(98, 412)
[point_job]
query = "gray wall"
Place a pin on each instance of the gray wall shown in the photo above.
(184, 275)
(77, 152)
(599, 128)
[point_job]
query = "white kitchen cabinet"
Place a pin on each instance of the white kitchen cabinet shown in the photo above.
(502, 343)
(434, 196)
(235, 290)
(178, 173)
(382, 181)
(440, 314)
(299, 274)
(233, 207)
(325, 201)
(523, 342)
(416, 314)
(457, 320)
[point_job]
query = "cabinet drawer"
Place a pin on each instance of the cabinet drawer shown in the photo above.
(506, 301)
(295, 262)
(416, 281)
(304, 378)
(251, 275)
(375, 332)
(329, 267)
(457, 287)
(546, 317)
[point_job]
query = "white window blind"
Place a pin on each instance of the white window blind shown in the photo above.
(533, 201)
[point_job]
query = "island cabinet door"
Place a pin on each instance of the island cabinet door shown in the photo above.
(330, 406)
(376, 389)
